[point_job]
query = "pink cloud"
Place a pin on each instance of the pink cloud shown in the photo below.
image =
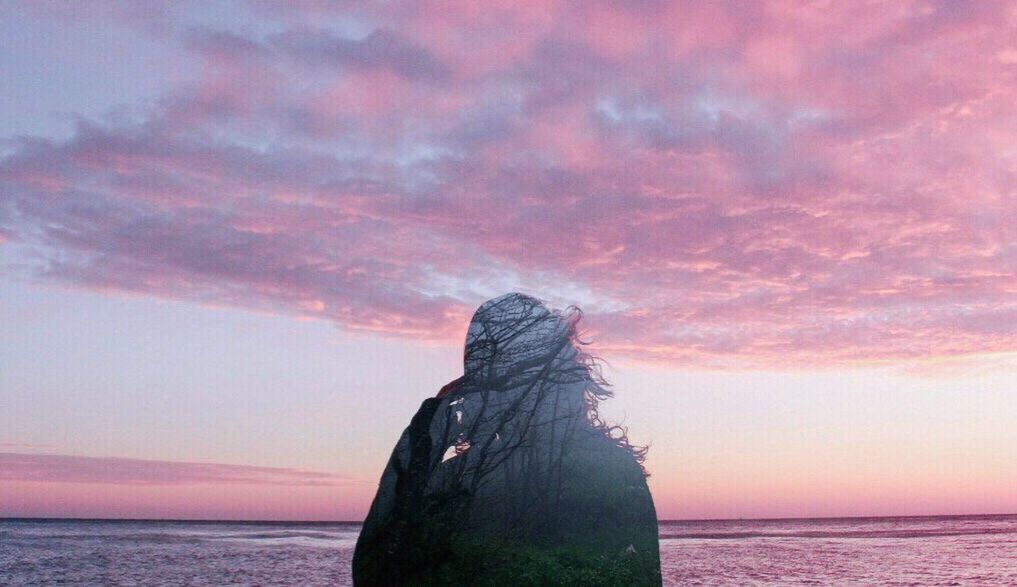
(56, 468)
(56, 485)
(726, 186)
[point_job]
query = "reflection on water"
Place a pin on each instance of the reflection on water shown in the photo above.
(972, 550)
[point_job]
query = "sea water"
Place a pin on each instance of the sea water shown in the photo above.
(963, 550)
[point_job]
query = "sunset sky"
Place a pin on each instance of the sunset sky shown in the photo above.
(240, 242)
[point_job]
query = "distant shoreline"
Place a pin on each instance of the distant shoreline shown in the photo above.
(359, 522)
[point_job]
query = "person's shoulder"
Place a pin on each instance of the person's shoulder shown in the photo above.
(450, 388)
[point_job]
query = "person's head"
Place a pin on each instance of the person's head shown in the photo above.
(511, 335)
(515, 336)
(515, 344)
(515, 339)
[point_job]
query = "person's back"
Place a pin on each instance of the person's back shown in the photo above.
(508, 475)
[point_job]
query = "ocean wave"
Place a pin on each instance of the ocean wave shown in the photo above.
(912, 533)
(280, 535)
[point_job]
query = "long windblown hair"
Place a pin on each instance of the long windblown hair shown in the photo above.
(598, 388)
(516, 338)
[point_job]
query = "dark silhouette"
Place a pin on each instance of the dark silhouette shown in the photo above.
(508, 474)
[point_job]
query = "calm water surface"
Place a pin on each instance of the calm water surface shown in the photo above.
(972, 550)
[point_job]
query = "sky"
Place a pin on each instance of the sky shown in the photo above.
(240, 242)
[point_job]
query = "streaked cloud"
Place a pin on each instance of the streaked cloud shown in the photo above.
(57, 468)
(717, 184)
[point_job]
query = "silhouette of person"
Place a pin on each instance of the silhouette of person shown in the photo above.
(509, 472)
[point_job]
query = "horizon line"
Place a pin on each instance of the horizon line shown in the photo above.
(237, 521)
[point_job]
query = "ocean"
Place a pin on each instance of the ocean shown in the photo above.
(954, 550)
